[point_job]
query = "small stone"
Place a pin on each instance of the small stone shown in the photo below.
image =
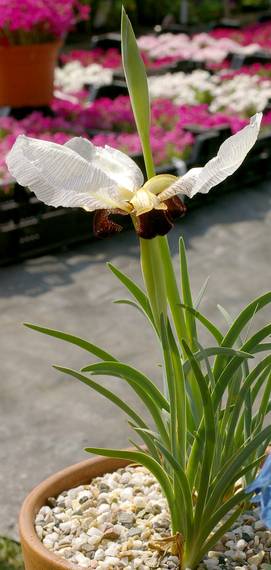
(257, 558)
(211, 563)
(259, 525)
(126, 519)
(241, 544)
(99, 554)
(111, 534)
(214, 554)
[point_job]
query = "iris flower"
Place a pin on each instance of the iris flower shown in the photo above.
(262, 487)
(107, 181)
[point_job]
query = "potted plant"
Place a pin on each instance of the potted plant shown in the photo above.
(194, 471)
(31, 34)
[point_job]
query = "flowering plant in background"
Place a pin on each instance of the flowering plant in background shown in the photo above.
(73, 76)
(200, 47)
(38, 21)
(110, 58)
(200, 436)
(256, 33)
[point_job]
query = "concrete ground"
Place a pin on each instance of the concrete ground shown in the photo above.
(47, 419)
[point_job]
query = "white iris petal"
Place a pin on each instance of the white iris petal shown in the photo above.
(75, 174)
(229, 157)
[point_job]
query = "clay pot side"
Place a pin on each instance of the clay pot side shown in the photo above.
(36, 556)
(27, 74)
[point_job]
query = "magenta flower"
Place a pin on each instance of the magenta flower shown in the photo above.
(35, 21)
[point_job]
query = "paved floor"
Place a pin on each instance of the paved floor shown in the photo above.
(46, 419)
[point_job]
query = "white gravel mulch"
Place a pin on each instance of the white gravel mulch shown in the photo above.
(114, 522)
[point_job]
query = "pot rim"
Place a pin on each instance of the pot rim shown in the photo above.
(40, 494)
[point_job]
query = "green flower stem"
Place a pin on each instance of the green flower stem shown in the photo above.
(154, 278)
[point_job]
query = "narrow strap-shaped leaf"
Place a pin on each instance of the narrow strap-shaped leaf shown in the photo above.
(260, 416)
(201, 293)
(187, 296)
(239, 402)
(173, 293)
(209, 437)
(143, 459)
(239, 324)
(207, 364)
(183, 485)
(171, 386)
(125, 371)
(84, 344)
(196, 450)
(135, 291)
(142, 385)
(218, 516)
(213, 330)
(111, 397)
(228, 476)
(136, 79)
(213, 351)
(264, 346)
(227, 373)
(258, 385)
(181, 398)
(148, 436)
(218, 534)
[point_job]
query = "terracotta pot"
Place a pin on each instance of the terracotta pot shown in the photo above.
(27, 74)
(36, 556)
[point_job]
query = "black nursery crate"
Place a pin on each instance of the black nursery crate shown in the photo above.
(207, 143)
(51, 229)
(239, 60)
(14, 212)
(187, 66)
(106, 41)
(111, 91)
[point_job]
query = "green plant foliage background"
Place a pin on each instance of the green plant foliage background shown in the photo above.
(151, 12)
(10, 555)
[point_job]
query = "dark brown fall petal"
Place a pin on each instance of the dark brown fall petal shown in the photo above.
(159, 222)
(152, 224)
(103, 225)
(175, 208)
(149, 225)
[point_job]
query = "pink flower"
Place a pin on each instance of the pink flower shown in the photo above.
(35, 21)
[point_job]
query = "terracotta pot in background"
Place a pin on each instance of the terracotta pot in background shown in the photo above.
(36, 556)
(27, 74)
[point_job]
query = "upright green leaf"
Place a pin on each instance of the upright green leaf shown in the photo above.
(209, 437)
(187, 296)
(136, 79)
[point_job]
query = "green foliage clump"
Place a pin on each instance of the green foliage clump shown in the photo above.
(10, 555)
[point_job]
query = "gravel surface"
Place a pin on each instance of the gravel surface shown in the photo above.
(116, 521)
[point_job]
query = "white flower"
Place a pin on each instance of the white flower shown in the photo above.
(83, 175)
(74, 76)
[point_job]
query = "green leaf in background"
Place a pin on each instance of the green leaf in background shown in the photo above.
(136, 79)
(10, 554)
